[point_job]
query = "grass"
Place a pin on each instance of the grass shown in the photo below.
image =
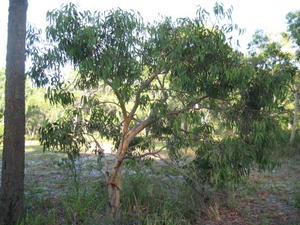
(151, 199)
(146, 197)
(72, 207)
(33, 146)
(146, 200)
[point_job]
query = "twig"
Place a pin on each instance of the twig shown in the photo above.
(181, 172)
(143, 155)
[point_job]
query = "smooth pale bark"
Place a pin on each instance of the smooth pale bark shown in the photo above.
(185, 126)
(115, 181)
(12, 180)
(296, 114)
(115, 184)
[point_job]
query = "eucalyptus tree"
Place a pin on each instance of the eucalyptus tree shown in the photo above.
(12, 180)
(135, 82)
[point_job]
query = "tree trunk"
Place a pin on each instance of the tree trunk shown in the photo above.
(296, 112)
(185, 126)
(12, 180)
(114, 184)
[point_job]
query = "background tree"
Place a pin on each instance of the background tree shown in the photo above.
(38, 110)
(263, 101)
(293, 21)
(12, 180)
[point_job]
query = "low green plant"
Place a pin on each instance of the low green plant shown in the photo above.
(80, 207)
(84, 206)
(159, 198)
(72, 167)
(297, 199)
(38, 219)
(231, 201)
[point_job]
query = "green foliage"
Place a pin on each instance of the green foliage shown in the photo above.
(223, 163)
(114, 47)
(157, 68)
(293, 21)
(105, 122)
(38, 110)
(262, 102)
(254, 121)
(59, 95)
(62, 136)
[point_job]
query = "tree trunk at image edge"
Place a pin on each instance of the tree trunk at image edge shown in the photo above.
(12, 180)
(296, 112)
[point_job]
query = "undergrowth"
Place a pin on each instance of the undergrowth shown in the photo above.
(159, 196)
(147, 198)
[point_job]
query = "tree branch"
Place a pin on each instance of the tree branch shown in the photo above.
(139, 156)
(121, 102)
(151, 119)
(189, 106)
(141, 126)
(139, 92)
(183, 173)
(109, 102)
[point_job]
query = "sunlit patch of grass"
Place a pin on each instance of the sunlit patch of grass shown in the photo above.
(30, 146)
(33, 146)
